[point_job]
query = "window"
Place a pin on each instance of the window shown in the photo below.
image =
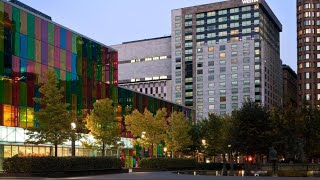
(245, 16)
(211, 107)
(234, 32)
(234, 83)
(201, 22)
(308, 86)
(234, 105)
(246, 90)
(234, 53)
(211, 92)
(222, 12)
(211, 100)
(188, 16)
(223, 99)
(246, 68)
(234, 98)
(211, 85)
(201, 15)
(234, 90)
(234, 10)
(222, 55)
(200, 100)
(210, 14)
(200, 29)
(308, 97)
(210, 49)
(211, 78)
(223, 106)
(234, 76)
(234, 69)
(222, 91)
(188, 23)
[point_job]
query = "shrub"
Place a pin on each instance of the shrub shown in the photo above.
(167, 163)
(59, 164)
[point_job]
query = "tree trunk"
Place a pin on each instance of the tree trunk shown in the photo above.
(103, 149)
(224, 168)
(56, 150)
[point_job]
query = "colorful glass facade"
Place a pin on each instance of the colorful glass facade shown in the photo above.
(135, 100)
(31, 45)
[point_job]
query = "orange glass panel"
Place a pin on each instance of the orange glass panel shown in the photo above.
(23, 21)
(7, 115)
(38, 50)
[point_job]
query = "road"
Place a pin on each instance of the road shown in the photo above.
(172, 176)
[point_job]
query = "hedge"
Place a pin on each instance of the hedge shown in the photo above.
(167, 163)
(59, 164)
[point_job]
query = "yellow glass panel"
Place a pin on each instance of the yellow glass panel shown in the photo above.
(23, 21)
(50, 55)
(7, 115)
(63, 59)
(30, 117)
(38, 51)
(23, 117)
(62, 75)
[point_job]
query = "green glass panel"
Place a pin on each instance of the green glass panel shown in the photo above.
(57, 71)
(74, 43)
(23, 117)
(1, 90)
(16, 43)
(31, 49)
(30, 25)
(1, 26)
(23, 94)
(1, 63)
(30, 117)
(79, 65)
(16, 19)
(51, 33)
(1, 14)
(7, 92)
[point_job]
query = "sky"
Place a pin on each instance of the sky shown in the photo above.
(115, 21)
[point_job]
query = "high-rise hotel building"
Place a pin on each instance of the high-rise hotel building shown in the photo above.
(224, 53)
(308, 27)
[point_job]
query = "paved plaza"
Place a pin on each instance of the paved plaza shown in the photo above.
(172, 176)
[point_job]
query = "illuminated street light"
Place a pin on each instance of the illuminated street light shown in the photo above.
(73, 141)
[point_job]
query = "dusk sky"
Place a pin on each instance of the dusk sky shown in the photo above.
(116, 21)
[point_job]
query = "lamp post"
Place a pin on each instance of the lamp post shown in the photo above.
(204, 143)
(165, 151)
(231, 160)
(73, 139)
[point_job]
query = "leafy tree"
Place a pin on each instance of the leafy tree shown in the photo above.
(54, 118)
(153, 127)
(311, 131)
(103, 124)
(178, 137)
(287, 131)
(252, 129)
(195, 134)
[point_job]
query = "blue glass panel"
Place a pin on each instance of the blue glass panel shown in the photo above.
(74, 65)
(63, 37)
(23, 46)
(23, 65)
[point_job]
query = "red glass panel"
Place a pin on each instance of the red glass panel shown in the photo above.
(7, 15)
(69, 41)
(56, 36)
(56, 57)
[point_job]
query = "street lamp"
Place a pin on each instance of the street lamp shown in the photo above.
(165, 151)
(231, 160)
(73, 141)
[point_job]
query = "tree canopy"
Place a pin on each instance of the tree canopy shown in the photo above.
(54, 119)
(103, 124)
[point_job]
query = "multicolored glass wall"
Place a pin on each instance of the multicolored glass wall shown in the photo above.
(30, 45)
(136, 100)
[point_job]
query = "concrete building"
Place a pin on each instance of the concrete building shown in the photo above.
(308, 13)
(289, 86)
(225, 53)
(145, 66)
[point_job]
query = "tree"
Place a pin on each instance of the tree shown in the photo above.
(215, 132)
(311, 131)
(103, 124)
(152, 127)
(252, 129)
(54, 119)
(178, 137)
